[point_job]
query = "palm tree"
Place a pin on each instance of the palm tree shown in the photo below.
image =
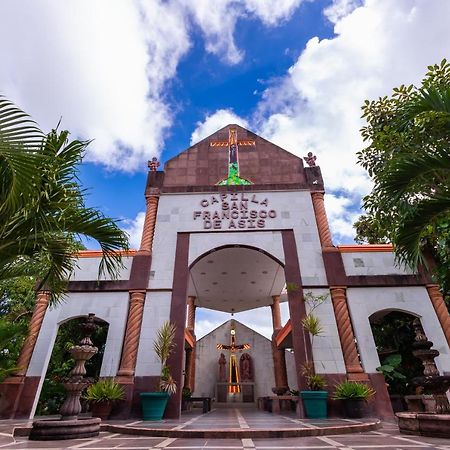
(416, 182)
(42, 206)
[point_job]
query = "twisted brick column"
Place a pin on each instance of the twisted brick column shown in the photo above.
(191, 314)
(34, 327)
(132, 333)
(276, 314)
(441, 309)
(149, 223)
(321, 219)
(345, 329)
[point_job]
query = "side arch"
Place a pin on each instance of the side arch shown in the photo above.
(364, 302)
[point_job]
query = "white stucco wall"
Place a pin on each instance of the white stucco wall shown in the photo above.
(87, 269)
(363, 302)
(327, 351)
(294, 211)
(156, 312)
(372, 263)
(111, 307)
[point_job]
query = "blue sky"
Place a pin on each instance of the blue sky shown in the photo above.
(147, 78)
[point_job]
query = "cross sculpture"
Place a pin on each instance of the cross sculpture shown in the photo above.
(153, 164)
(233, 157)
(233, 380)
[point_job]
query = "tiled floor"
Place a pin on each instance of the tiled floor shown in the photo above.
(387, 438)
(233, 418)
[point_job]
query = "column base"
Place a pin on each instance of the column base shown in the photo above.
(358, 376)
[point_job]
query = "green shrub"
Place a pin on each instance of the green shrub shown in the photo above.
(104, 390)
(352, 389)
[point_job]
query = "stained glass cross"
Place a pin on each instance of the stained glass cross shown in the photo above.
(233, 157)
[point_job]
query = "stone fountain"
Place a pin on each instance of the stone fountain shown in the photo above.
(69, 426)
(436, 420)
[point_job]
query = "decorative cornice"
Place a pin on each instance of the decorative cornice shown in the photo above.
(365, 248)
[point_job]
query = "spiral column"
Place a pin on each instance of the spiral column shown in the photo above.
(132, 334)
(441, 309)
(191, 314)
(149, 223)
(345, 330)
(34, 327)
(276, 313)
(321, 219)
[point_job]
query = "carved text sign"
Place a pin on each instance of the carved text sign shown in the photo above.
(234, 211)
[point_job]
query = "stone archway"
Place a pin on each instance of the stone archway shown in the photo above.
(50, 393)
(393, 333)
(289, 274)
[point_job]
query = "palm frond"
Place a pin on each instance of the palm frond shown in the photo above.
(164, 344)
(407, 240)
(430, 168)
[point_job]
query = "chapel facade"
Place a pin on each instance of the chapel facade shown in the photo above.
(234, 223)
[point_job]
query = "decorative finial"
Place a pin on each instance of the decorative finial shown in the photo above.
(310, 159)
(153, 164)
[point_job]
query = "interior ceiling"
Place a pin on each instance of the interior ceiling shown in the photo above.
(235, 279)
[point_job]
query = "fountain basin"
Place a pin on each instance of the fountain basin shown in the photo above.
(52, 429)
(424, 424)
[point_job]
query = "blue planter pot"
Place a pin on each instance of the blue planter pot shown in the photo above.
(153, 404)
(315, 403)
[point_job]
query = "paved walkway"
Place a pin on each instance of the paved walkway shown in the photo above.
(386, 438)
(241, 423)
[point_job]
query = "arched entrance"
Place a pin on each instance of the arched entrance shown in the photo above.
(241, 366)
(52, 392)
(393, 333)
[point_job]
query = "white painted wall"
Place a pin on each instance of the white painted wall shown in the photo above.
(87, 269)
(327, 351)
(111, 307)
(363, 302)
(372, 263)
(156, 312)
(294, 211)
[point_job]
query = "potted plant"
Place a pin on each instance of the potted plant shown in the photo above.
(315, 398)
(154, 403)
(102, 395)
(354, 396)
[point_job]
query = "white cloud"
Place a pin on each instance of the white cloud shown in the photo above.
(341, 216)
(214, 122)
(218, 21)
(103, 66)
(340, 8)
(259, 319)
(316, 107)
(134, 229)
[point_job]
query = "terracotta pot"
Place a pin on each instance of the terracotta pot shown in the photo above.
(101, 409)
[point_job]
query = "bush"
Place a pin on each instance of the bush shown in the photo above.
(352, 389)
(104, 390)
